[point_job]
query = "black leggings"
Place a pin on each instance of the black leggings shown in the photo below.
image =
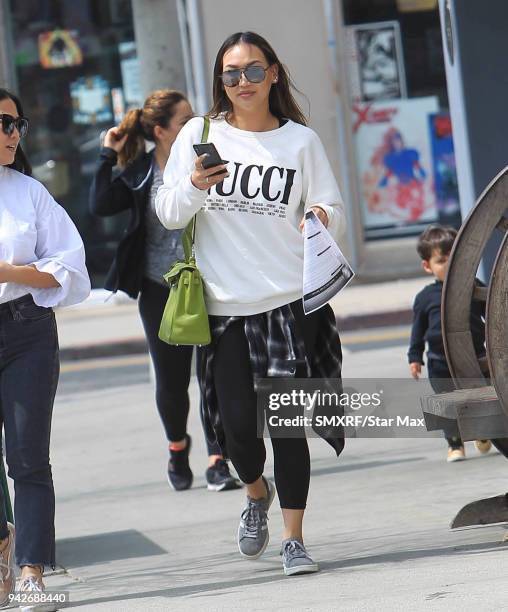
(238, 411)
(441, 381)
(172, 365)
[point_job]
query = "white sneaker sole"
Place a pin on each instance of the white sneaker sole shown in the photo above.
(212, 487)
(178, 490)
(225, 486)
(230, 485)
(301, 569)
(455, 459)
(257, 555)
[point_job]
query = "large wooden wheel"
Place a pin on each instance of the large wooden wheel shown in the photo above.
(497, 325)
(481, 410)
(459, 288)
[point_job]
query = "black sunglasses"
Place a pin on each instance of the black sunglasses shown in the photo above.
(253, 74)
(9, 123)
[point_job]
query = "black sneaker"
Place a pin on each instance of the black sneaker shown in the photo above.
(219, 477)
(179, 472)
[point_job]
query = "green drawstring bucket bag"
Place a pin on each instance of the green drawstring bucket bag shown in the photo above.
(185, 319)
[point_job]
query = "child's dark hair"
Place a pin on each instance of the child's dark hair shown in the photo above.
(436, 238)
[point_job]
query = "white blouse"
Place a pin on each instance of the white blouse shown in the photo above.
(35, 230)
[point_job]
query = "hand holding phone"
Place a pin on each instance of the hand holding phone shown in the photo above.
(212, 155)
(202, 177)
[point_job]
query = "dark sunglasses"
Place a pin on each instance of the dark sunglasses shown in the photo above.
(253, 74)
(9, 123)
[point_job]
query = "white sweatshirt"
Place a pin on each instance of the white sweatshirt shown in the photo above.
(35, 230)
(249, 249)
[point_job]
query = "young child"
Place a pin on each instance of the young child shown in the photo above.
(434, 246)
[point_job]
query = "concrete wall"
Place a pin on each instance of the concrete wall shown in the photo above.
(158, 44)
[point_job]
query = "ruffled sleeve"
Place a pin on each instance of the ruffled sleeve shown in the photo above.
(60, 252)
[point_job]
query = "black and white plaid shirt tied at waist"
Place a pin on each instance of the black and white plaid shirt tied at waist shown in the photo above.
(276, 350)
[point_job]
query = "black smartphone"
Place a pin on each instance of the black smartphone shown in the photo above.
(213, 158)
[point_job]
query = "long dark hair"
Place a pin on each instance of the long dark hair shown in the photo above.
(139, 123)
(281, 100)
(20, 163)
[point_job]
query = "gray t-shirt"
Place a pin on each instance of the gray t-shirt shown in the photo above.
(162, 246)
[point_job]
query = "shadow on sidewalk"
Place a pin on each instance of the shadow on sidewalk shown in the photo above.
(104, 547)
(352, 467)
(272, 576)
(409, 555)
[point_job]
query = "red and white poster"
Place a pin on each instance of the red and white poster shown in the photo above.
(394, 162)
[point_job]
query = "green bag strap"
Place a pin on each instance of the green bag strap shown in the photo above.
(206, 129)
(190, 231)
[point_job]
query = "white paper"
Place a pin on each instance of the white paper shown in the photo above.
(325, 269)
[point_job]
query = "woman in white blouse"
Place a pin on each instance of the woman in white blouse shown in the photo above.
(42, 265)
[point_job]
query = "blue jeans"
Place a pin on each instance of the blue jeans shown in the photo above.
(29, 369)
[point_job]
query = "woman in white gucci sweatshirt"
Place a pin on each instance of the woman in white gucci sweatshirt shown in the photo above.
(249, 249)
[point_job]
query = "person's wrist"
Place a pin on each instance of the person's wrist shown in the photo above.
(109, 153)
(327, 218)
(9, 272)
(193, 182)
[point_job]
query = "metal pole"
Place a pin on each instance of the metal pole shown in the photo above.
(334, 20)
(187, 59)
(198, 56)
(158, 44)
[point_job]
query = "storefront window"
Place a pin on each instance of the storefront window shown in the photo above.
(401, 125)
(75, 65)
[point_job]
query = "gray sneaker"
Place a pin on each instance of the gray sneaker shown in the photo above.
(253, 529)
(295, 559)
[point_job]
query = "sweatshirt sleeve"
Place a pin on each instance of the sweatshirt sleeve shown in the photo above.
(320, 187)
(61, 253)
(177, 199)
(420, 324)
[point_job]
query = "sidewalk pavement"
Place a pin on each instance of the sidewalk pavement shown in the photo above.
(106, 325)
(377, 519)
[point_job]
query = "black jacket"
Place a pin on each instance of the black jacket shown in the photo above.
(130, 190)
(427, 325)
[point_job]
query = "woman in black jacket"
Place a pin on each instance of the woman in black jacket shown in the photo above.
(145, 253)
